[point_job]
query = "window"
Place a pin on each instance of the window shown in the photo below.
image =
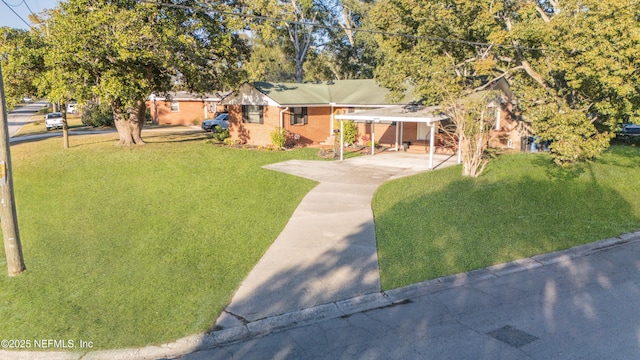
(252, 114)
(175, 106)
(298, 116)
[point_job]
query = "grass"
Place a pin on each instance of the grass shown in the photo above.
(126, 247)
(440, 223)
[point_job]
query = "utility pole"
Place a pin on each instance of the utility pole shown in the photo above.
(8, 214)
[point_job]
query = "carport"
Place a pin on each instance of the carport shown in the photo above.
(400, 115)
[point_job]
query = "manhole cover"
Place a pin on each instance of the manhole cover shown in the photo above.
(512, 336)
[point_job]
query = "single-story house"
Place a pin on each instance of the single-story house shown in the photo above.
(312, 114)
(307, 111)
(183, 108)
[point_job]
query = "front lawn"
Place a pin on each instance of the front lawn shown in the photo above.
(439, 223)
(126, 247)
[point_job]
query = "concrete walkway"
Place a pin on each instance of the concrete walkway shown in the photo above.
(327, 252)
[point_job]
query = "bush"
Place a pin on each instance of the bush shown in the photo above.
(220, 134)
(94, 114)
(350, 132)
(279, 137)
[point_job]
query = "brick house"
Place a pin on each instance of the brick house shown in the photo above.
(312, 114)
(306, 110)
(183, 108)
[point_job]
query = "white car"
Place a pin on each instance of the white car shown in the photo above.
(72, 108)
(53, 121)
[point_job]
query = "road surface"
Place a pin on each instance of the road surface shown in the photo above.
(21, 115)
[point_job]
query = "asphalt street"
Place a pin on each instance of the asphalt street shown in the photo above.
(22, 115)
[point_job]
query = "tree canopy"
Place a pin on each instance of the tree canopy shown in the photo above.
(308, 40)
(21, 58)
(572, 64)
(121, 51)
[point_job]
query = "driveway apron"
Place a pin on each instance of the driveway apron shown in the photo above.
(327, 251)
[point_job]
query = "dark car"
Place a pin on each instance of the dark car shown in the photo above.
(631, 129)
(629, 132)
(222, 120)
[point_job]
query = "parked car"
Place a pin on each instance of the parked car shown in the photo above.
(630, 130)
(221, 120)
(72, 108)
(53, 121)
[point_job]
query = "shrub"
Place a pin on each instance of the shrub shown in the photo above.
(279, 137)
(94, 114)
(350, 132)
(220, 134)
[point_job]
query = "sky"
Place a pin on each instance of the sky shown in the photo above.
(21, 7)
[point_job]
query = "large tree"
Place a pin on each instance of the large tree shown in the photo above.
(285, 26)
(306, 40)
(348, 51)
(121, 51)
(21, 54)
(572, 64)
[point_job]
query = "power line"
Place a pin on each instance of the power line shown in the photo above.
(376, 32)
(13, 11)
(27, 5)
(18, 4)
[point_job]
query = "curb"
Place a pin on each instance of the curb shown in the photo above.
(342, 308)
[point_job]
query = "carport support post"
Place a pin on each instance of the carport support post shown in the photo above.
(373, 136)
(397, 126)
(8, 216)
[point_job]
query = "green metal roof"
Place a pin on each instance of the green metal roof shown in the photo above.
(339, 92)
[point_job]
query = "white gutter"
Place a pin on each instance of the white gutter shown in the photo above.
(282, 117)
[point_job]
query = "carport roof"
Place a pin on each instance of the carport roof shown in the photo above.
(402, 113)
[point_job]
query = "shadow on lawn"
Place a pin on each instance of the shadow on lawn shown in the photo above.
(187, 136)
(150, 137)
(547, 305)
(482, 225)
(571, 306)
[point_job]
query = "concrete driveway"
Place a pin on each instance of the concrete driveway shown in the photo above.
(327, 251)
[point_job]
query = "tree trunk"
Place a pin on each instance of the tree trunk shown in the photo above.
(129, 122)
(65, 127)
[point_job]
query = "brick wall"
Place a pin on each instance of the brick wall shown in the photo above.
(254, 134)
(190, 112)
(317, 129)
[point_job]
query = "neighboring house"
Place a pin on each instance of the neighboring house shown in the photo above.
(312, 112)
(183, 108)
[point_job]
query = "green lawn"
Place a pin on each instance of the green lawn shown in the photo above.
(440, 223)
(133, 246)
